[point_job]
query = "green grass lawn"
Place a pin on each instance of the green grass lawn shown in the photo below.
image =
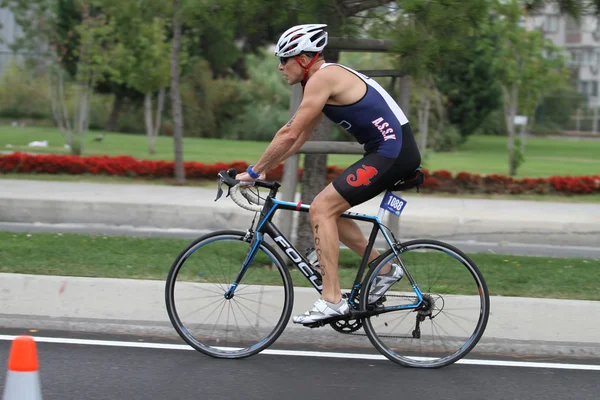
(480, 154)
(151, 258)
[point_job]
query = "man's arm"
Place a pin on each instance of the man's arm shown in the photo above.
(304, 136)
(295, 133)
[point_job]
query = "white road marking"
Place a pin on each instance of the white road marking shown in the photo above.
(299, 353)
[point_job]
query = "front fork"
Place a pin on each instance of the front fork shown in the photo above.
(252, 250)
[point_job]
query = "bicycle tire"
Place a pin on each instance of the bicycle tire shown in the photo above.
(215, 349)
(481, 293)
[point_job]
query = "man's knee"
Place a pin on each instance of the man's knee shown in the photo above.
(318, 208)
(328, 204)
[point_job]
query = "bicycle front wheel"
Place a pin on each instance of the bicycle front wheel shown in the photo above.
(205, 318)
(450, 319)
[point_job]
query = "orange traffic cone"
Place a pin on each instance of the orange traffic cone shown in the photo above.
(22, 380)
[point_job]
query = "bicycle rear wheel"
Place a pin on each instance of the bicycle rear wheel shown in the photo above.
(228, 328)
(451, 318)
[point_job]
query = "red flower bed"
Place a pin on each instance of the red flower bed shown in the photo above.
(438, 181)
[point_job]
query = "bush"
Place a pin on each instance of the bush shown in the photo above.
(210, 103)
(264, 102)
(100, 108)
(546, 129)
(558, 107)
(258, 122)
(446, 140)
(24, 95)
(493, 124)
(438, 181)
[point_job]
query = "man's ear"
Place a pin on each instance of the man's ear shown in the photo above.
(304, 59)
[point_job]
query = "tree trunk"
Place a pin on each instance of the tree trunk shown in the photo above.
(313, 182)
(510, 110)
(175, 95)
(82, 101)
(523, 133)
(290, 175)
(392, 87)
(60, 110)
(58, 104)
(153, 128)
(441, 116)
(63, 103)
(76, 107)
(159, 111)
(85, 116)
(424, 125)
(111, 124)
(404, 95)
(148, 122)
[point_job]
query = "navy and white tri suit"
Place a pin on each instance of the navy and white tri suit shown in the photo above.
(377, 122)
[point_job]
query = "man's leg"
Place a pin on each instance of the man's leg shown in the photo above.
(351, 235)
(324, 214)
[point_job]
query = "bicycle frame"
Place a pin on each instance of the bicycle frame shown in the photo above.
(266, 226)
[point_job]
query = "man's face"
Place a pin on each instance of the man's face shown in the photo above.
(291, 70)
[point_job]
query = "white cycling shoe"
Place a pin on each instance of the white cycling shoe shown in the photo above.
(384, 282)
(322, 310)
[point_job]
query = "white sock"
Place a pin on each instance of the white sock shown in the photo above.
(335, 306)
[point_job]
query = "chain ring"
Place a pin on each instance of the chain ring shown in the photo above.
(346, 326)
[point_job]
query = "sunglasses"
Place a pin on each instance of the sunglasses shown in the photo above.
(283, 60)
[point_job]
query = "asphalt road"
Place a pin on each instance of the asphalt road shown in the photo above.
(104, 371)
(511, 244)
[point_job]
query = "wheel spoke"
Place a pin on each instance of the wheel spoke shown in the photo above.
(449, 277)
(253, 317)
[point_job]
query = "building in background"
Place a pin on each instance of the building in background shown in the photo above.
(581, 39)
(9, 32)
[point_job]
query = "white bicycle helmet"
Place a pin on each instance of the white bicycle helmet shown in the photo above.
(299, 38)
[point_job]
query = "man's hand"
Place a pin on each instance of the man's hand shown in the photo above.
(246, 180)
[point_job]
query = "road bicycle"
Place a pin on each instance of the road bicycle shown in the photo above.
(229, 294)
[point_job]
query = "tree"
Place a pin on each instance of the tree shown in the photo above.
(175, 94)
(524, 63)
(430, 36)
(574, 8)
(141, 54)
(85, 49)
(470, 87)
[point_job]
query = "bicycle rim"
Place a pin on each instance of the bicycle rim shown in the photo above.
(453, 314)
(243, 325)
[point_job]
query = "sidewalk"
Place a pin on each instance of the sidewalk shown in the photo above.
(545, 327)
(195, 208)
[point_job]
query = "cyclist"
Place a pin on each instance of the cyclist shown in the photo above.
(364, 109)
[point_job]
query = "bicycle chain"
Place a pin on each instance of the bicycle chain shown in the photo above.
(352, 332)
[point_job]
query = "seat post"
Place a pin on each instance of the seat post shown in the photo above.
(381, 212)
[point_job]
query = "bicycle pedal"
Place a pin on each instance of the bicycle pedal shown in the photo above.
(313, 325)
(323, 322)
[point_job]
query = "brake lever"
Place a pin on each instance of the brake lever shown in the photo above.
(222, 179)
(220, 190)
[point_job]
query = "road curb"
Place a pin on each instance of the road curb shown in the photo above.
(436, 223)
(125, 306)
(292, 337)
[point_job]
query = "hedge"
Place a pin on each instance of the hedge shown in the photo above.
(437, 181)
